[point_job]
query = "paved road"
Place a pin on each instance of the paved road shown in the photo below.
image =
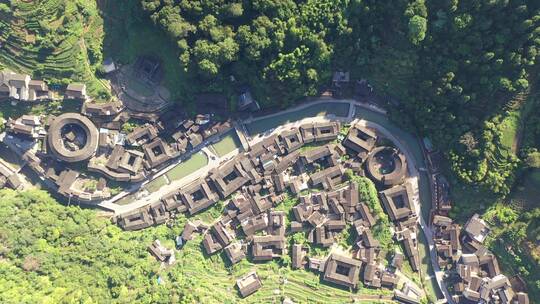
(403, 146)
(381, 128)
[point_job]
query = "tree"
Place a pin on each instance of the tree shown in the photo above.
(533, 159)
(233, 10)
(417, 29)
(4, 8)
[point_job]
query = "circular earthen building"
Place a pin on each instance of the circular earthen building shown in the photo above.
(72, 137)
(387, 166)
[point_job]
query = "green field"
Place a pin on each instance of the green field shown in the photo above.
(185, 168)
(212, 280)
(322, 109)
(527, 192)
(228, 143)
(509, 128)
(155, 184)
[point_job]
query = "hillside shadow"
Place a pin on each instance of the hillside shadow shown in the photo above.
(129, 33)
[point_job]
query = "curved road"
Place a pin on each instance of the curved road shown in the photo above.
(367, 114)
(374, 118)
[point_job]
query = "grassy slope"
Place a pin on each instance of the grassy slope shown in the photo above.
(527, 192)
(509, 127)
(211, 279)
(79, 258)
(516, 259)
(84, 28)
(128, 35)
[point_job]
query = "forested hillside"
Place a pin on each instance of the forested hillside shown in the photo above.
(51, 253)
(453, 67)
(462, 73)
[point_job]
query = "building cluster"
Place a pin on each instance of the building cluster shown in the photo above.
(134, 156)
(47, 144)
(473, 273)
(255, 182)
(259, 173)
(56, 146)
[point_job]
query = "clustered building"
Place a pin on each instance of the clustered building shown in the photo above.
(255, 182)
(473, 271)
(21, 87)
(306, 161)
(49, 145)
(64, 150)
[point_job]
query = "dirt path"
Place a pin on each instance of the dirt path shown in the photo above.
(523, 99)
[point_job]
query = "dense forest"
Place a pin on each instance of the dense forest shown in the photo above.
(449, 70)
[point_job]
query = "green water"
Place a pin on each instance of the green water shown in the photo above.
(321, 109)
(185, 168)
(227, 144)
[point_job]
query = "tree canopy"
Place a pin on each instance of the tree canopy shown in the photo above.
(453, 65)
(57, 254)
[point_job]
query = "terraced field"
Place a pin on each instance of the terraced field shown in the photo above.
(59, 40)
(211, 278)
(213, 281)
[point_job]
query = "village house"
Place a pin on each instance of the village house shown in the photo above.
(235, 252)
(14, 86)
(248, 284)
(228, 178)
(135, 220)
(397, 202)
(102, 109)
(198, 196)
(477, 229)
(76, 91)
(161, 253)
(361, 140)
(342, 270)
